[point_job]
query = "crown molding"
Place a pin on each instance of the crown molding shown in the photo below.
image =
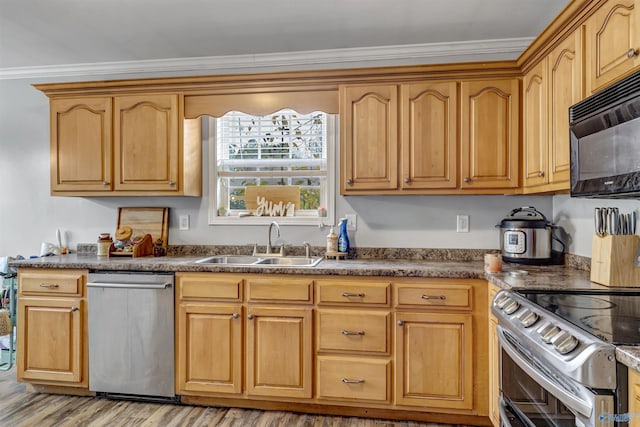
(429, 53)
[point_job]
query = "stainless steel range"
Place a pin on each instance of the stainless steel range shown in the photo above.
(557, 355)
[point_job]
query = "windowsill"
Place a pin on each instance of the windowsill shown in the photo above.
(266, 220)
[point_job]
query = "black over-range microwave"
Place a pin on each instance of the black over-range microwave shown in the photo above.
(605, 142)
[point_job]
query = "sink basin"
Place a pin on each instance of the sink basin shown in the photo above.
(229, 259)
(293, 261)
(290, 260)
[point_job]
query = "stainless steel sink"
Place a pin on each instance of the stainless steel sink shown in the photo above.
(229, 259)
(300, 261)
(293, 261)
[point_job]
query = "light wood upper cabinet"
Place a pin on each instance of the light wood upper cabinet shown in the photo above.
(146, 142)
(434, 360)
(369, 137)
(489, 123)
(210, 348)
(612, 43)
(565, 89)
(81, 144)
(428, 135)
(535, 123)
(549, 89)
(124, 145)
(279, 352)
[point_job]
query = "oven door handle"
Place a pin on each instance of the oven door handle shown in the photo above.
(579, 405)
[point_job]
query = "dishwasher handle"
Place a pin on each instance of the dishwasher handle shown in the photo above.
(129, 285)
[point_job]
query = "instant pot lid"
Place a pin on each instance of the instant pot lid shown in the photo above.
(525, 217)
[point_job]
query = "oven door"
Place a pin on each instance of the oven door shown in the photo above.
(532, 395)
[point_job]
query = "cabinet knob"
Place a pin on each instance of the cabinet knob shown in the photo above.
(235, 315)
(172, 182)
(540, 174)
(250, 317)
(74, 309)
(400, 322)
(349, 181)
(407, 180)
(467, 179)
(106, 183)
(632, 52)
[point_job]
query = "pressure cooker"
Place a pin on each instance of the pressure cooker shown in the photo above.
(526, 238)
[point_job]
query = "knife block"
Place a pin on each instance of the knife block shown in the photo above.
(612, 260)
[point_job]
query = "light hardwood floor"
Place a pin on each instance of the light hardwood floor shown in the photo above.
(19, 408)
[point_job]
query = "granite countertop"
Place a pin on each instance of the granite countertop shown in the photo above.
(537, 277)
(540, 277)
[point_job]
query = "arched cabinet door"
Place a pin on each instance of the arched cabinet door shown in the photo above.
(489, 133)
(535, 123)
(146, 145)
(428, 114)
(369, 137)
(612, 44)
(81, 144)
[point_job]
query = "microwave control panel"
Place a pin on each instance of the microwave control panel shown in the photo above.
(514, 241)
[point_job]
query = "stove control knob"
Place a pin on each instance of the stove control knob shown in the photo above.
(502, 301)
(511, 307)
(528, 318)
(547, 332)
(564, 342)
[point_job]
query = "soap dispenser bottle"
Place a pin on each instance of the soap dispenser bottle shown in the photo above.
(343, 237)
(332, 241)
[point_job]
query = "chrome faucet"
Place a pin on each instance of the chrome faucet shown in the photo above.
(278, 230)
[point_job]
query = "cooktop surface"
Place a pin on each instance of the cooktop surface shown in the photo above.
(611, 315)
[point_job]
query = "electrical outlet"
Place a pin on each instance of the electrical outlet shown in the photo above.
(352, 222)
(462, 224)
(184, 222)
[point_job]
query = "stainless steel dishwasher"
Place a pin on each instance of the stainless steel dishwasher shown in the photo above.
(131, 341)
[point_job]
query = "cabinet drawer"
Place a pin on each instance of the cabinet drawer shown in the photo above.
(342, 330)
(209, 286)
(353, 292)
(279, 288)
(354, 378)
(434, 296)
(63, 282)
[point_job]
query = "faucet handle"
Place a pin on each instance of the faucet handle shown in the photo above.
(282, 249)
(307, 249)
(255, 249)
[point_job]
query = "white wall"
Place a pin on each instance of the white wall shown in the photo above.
(575, 215)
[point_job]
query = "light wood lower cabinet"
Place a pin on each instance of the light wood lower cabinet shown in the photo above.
(51, 327)
(409, 346)
(634, 398)
(279, 352)
(434, 360)
(494, 362)
(210, 348)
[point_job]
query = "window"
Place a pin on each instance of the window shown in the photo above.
(278, 166)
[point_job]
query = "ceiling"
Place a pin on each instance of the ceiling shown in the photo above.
(37, 33)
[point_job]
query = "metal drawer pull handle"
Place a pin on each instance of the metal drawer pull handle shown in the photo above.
(347, 295)
(343, 332)
(441, 297)
(49, 285)
(400, 322)
(235, 315)
(632, 52)
(348, 381)
(74, 309)
(250, 317)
